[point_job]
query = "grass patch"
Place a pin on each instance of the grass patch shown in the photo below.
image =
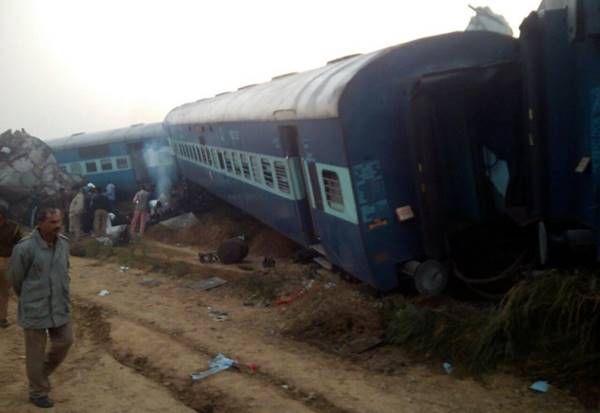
(549, 326)
(262, 290)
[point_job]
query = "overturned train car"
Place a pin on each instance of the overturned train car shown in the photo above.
(127, 157)
(375, 160)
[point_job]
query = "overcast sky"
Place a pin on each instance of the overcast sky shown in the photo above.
(88, 65)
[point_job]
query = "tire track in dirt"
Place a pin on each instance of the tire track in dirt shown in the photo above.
(167, 361)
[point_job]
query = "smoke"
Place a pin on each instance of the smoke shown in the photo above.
(162, 168)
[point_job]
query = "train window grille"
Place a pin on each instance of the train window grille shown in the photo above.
(267, 172)
(122, 163)
(91, 167)
(199, 154)
(236, 163)
(228, 164)
(255, 169)
(206, 157)
(75, 168)
(221, 161)
(96, 151)
(333, 190)
(106, 164)
(282, 177)
(245, 165)
(209, 156)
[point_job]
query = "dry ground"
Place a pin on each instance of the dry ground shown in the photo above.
(136, 347)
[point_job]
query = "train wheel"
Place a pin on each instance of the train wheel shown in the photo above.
(431, 278)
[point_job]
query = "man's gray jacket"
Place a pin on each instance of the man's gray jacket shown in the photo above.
(39, 274)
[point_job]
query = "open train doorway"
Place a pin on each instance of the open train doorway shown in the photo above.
(466, 133)
(136, 153)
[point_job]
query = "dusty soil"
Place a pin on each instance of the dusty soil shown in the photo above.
(136, 347)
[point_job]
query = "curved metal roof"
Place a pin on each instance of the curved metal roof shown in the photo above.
(312, 94)
(135, 132)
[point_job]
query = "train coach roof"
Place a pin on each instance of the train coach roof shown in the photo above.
(132, 133)
(311, 94)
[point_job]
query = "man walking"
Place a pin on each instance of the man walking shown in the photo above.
(10, 234)
(76, 209)
(38, 272)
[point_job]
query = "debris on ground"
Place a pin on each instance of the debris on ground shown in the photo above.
(217, 364)
(180, 221)
(364, 344)
(217, 315)
(268, 262)
(103, 293)
(447, 367)
(208, 257)
(29, 175)
(540, 386)
(207, 284)
(150, 282)
(124, 268)
(232, 251)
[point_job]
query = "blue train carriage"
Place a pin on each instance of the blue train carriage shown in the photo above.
(127, 157)
(370, 159)
(561, 55)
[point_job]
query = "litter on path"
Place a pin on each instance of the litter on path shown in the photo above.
(124, 269)
(217, 364)
(541, 386)
(208, 284)
(448, 368)
(217, 315)
(103, 293)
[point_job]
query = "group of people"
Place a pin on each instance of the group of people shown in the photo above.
(86, 210)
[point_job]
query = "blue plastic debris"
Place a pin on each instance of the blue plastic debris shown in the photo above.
(448, 368)
(540, 386)
(217, 364)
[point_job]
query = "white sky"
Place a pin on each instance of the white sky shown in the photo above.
(83, 65)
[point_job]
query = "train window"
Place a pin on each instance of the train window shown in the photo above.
(75, 168)
(236, 163)
(255, 169)
(91, 167)
(106, 164)
(122, 163)
(96, 151)
(221, 162)
(245, 165)
(333, 190)
(228, 161)
(282, 177)
(267, 171)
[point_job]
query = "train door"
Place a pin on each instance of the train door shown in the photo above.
(464, 133)
(288, 136)
(136, 153)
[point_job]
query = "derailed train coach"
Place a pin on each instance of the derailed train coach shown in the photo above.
(127, 157)
(374, 160)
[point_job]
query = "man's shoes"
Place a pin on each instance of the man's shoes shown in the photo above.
(4, 323)
(43, 402)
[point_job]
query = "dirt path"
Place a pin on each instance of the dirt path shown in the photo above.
(137, 346)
